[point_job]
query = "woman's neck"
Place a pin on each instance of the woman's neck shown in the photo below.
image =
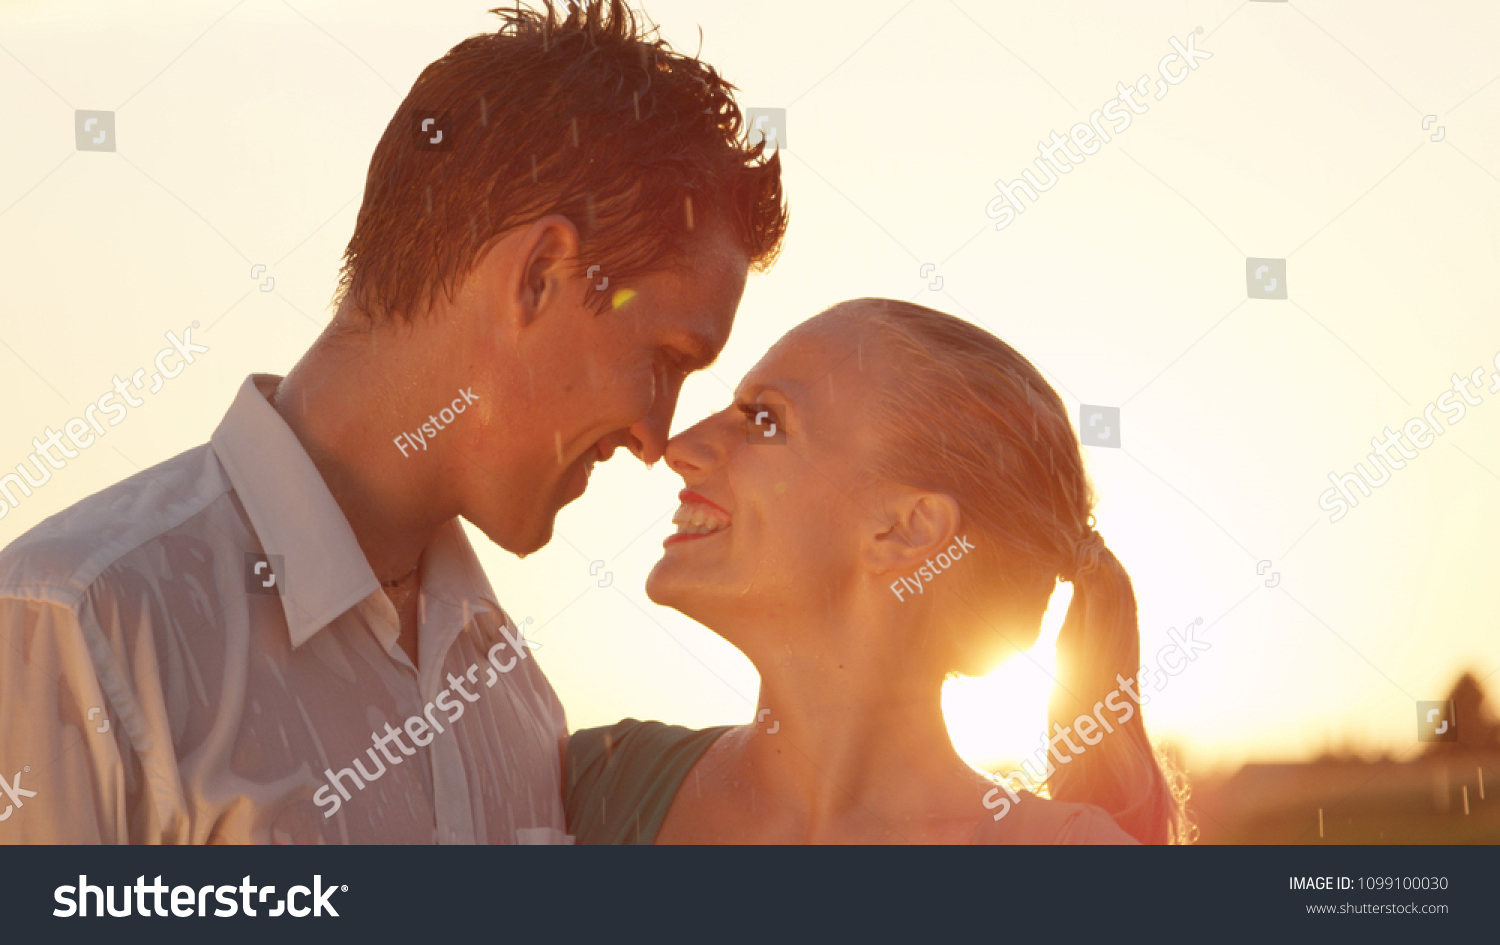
(857, 743)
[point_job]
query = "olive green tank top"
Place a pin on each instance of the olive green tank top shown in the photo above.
(622, 779)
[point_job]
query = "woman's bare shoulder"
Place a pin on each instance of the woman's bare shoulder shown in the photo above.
(1039, 820)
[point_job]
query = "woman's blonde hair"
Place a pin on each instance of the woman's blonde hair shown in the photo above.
(965, 414)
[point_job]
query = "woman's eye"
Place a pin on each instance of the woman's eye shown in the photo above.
(756, 413)
(763, 420)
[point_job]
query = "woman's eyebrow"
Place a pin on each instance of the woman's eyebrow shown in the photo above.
(763, 389)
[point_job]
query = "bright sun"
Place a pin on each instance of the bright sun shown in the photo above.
(999, 719)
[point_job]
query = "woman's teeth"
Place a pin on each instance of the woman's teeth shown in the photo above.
(697, 520)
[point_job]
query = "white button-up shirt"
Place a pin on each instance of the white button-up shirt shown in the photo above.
(202, 654)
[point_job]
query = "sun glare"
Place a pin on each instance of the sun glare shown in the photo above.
(998, 719)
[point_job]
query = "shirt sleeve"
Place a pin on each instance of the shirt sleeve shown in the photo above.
(62, 748)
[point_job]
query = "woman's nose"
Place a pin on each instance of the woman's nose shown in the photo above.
(700, 449)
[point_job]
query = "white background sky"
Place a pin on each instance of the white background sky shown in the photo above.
(245, 130)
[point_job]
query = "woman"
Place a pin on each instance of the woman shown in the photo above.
(928, 494)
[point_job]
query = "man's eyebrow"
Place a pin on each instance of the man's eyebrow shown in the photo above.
(705, 348)
(700, 350)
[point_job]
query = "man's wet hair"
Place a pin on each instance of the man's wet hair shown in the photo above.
(587, 114)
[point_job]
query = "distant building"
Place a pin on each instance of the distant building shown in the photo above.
(1449, 792)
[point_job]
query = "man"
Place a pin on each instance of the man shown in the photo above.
(283, 635)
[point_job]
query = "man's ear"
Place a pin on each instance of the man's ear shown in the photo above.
(542, 266)
(911, 526)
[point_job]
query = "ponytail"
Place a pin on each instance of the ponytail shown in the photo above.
(974, 419)
(1098, 647)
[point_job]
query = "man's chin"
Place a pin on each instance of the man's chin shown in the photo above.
(520, 539)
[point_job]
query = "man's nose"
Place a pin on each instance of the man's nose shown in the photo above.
(648, 436)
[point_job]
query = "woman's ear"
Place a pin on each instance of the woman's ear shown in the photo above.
(911, 526)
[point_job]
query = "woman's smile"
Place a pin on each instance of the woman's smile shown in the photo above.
(696, 517)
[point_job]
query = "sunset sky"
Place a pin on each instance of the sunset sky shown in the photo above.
(245, 129)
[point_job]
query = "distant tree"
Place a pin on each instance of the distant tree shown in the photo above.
(1478, 731)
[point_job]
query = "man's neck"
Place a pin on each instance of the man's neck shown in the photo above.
(335, 403)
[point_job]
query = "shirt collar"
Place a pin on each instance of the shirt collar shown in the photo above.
(324, 572)
(454, 589)
(295, 516)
